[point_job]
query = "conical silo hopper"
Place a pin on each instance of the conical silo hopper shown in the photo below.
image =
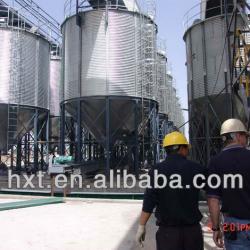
(104, 59)
(105, 81)
(24, 74)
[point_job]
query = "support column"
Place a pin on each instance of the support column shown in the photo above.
(62, 130)
(47, 138)
(26, 150)
(36, 140)
(19, 155)
(136, 147)
(156, 134)
(79, 133)
(107, 137)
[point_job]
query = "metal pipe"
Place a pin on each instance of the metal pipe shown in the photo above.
(36, 149)
(107, 136)
(79, 133)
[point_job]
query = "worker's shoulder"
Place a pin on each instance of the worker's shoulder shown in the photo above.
(194, 164)
(232, 152)
(181, 161)
(160, 165)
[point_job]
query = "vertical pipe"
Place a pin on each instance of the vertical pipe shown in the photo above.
(80, 58)
(79, 133)
(107, 137)
(36, 140)
(230, 103)
(136, 151)
(90, 147)
(12, 158)
(193, 142)
(42, 156)
(26, 150)
(48, 137)
(62, 129)
(155, 133)
(228, 31)
(19, 155)
(207, 124)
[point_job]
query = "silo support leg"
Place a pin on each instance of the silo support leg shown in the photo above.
(36, 149)
(62, 130)
(136, 163)
(107, 137)
(79, 132)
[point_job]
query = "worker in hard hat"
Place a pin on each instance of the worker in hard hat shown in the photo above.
(177, 211)
(234, 159)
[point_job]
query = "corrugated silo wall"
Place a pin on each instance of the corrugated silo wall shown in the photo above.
(113, 56)
(24, 68)
(24, 81)
(208, 85)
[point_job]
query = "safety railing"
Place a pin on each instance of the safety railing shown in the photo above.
(146, 7)
(22, 18)
(205, 9)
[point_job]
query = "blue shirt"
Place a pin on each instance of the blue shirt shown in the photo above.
(233, 160)
(175, 207)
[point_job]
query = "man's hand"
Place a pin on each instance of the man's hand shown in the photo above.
(218, 239)
(140, 235)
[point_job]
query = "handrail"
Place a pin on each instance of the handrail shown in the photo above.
(70, 7)
(198, 13)
(25, 17)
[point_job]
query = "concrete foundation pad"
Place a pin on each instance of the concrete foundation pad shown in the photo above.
(78, 224)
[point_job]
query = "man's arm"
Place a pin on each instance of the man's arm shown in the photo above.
(214, 209)
(141, 232)
(213, 196)
(149, 203)
(144, 218)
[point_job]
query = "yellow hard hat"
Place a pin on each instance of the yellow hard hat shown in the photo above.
(175, 138)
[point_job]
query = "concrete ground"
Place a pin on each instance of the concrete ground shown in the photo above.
(79, 224)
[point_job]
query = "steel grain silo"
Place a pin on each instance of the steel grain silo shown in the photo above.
(209, 55)
(109, 77)
(24, 78)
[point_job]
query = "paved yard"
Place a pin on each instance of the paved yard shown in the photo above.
(78, 224)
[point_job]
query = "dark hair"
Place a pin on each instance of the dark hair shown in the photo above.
(174, 149)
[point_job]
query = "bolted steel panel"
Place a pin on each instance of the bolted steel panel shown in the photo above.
(110, 51)
(24, 71)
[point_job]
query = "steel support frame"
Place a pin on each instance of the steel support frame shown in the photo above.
(204, 134)
(86, 144)
(31, 148)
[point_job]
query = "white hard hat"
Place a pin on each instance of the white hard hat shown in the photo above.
(233, 126)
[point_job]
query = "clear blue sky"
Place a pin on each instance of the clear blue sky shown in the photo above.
(170, 24)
